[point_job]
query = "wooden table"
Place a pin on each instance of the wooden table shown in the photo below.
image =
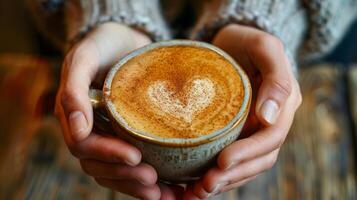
(316, 162)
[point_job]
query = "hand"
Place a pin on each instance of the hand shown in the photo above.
(275, 100)
(111, 161)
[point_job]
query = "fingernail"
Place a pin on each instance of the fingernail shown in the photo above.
(130, 163)
(77, 125)
(269, 111)
(229, 166)
(133, 158)
(211, 194)
(143, 182)
(217, 189)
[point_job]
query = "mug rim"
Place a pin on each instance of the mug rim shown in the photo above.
(179, 142)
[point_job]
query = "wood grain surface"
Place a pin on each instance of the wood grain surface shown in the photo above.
(352, 86)
(317, 161)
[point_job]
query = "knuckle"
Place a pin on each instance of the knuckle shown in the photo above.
(299, 96)
(279, 138)
(77, 53)
(68, 59)
(121, 172)
(282, 86)
(148, 170)
(58, 107)
(257, 141)
(68, 95)
(281, 141)
(230, 27)
(299, 99)
(210, 180)
(81, 55)
(225, 32)
(271, 161)
(266, 41)
(57, 111)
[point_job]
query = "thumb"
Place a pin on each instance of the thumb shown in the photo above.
(101, 48)
(79, 68)
(171, 191)
(272, 96)
(268, 55)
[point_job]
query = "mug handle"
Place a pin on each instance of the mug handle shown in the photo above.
(101, 121)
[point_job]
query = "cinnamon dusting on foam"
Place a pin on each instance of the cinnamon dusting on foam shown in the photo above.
(198, 97)
(177, 92)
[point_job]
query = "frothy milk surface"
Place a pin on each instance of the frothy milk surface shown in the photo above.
(177, 92)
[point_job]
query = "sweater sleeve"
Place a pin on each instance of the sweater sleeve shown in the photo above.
(308, 28)
(328, 21)
(66, 21)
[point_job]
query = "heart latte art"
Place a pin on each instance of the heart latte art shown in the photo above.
(177, 92)
(199, 96)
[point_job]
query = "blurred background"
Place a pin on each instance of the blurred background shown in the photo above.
(318, 161)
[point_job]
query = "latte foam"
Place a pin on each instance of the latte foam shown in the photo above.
(177, 92)
(199, 96)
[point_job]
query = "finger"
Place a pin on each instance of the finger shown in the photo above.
(79, 68)
(64, 125)
(107, 149)
(143, 173)
(199, 191)
(237, 184)
(131, 188)
(272, 96)
(215, 179)
(101, 48)
(258, 144)
(230, 187)
(261, 142)
(189, 194)
(268, 55)
(171, 192)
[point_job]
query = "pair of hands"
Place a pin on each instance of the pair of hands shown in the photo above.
(116, 164)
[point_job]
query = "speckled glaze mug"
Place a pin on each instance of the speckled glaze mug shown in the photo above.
(176, 160)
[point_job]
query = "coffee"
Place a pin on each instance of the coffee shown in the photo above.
(177, 92)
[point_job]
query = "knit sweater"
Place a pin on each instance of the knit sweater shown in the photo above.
(308, 28)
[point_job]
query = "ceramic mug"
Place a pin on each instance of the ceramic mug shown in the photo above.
(175, 159)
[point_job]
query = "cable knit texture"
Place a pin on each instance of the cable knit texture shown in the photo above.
(80, 16)
(285, 20)
(309, 28)
(328, 21)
